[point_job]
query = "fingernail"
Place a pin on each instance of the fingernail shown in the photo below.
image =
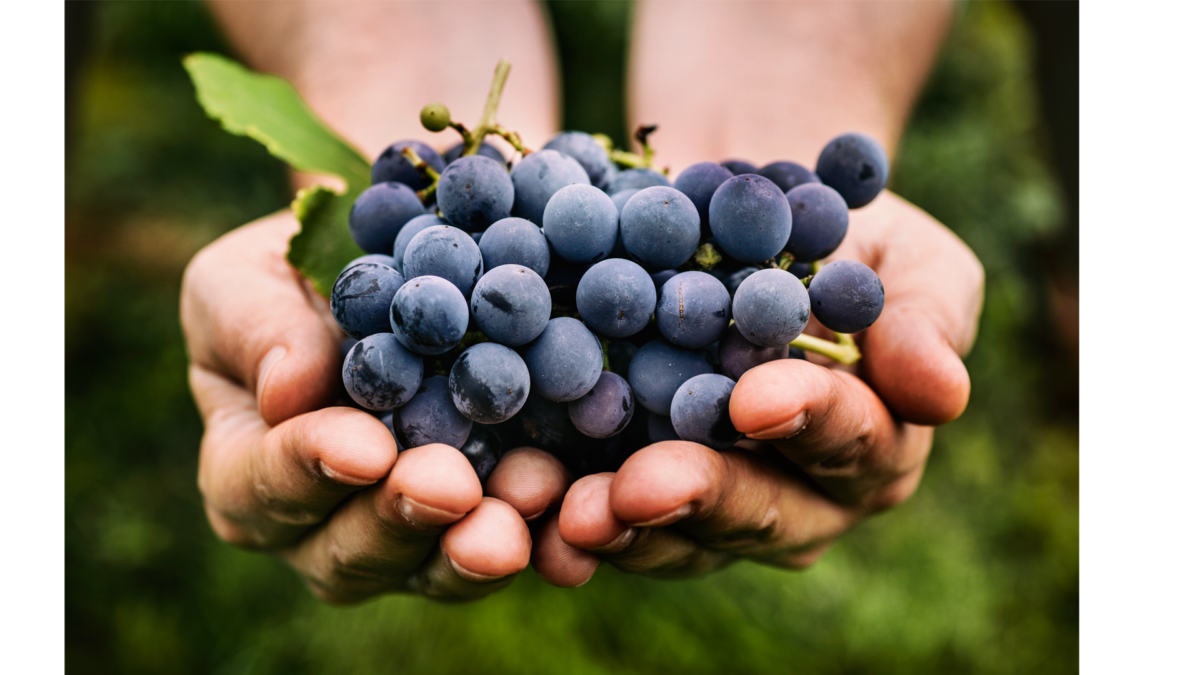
(617, 545)
(537, 515)
(783, 430)
(422, 516)
(265, 366)
(472, 576)
(341, 477)
(678, 514)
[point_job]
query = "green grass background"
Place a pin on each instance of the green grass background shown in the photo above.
(979, 572)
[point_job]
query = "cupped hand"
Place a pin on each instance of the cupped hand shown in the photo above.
(828, 445)
(323, 487)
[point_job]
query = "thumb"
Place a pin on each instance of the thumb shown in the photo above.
(249, 316)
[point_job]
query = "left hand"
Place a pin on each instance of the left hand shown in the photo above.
(829, 446)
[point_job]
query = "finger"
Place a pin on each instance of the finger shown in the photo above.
(263, 487)
(249, 316)
(530, 480)
(479, 555)
(736, 501)
(378, 539)
(832, 425)
(588, 521)
(558, 562)
(934, 286)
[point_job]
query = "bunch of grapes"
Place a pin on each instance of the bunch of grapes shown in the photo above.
(579, 301)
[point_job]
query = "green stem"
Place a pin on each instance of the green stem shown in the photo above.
(786, 260)
(843, 351)
(487, 121)
(513, 138)
(462, 131)
(420, 165)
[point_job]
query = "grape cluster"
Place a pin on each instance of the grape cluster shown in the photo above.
(584, 309)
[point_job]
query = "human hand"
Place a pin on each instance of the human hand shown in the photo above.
(829, 446)
(323, 488)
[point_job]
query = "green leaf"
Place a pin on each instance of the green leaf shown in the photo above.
(323, 245)
(271, 111)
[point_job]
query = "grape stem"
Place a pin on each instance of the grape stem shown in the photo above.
(843, 351)
(420, 165)
(472, 140)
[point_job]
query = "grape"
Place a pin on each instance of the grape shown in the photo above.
(583, 149)
(734, 280)
(636, 178)
(615, 298)
(361, 298)
(846, 296)
(389, 423)
(435, 117)
(580, 222)
(787, 175)
(483, 450)
(410, 230)
(610, 172)
(380, 374)
(738, 167)
(430, 417)
(770, 308)
(700, 411)
(429, 315)
(515, 241)
(377, 258)
(856, 166)
(750, 218)
(379, 213)
(620, 353)
(537, 177)
(699, 182)
(660, 227)
(474, 192)
(548, 425)
(796, 353)
(736, 354)
(565, 361)
(622, 197)
(485, 150)
(445, 252)
(800, 270)
(511, 305)
(392, 166)
(819, 221)
(658, 369)
(562, 279)
(693, 310)
(345, 346)
(489, 383)
(604, 411)
(660, 429)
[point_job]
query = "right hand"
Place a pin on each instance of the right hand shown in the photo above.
(323, 487)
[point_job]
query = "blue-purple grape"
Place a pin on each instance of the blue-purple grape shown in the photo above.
(750, 218)
(771, 308)
(693, 309)
(515, 241)
(537, 177)
(511, 305)
(847, 296)
(660, 227)
(489, 383)
(606, 409)
(380, 374)
(787, 175)
(580, 222)
(700, 411)
(636, 179)
(699, 182)
(361, 299)
(615, 298)
(583, 149)
(819, 221)
(855, 165)
(565, 361)
(485, 150)
(474, 192)
(736, 354)
(658, 369)
(431, 417)
(392, 166)
(379, 213)
(429, 315)
(445, 252)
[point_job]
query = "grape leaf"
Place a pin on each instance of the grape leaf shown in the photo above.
(323, 245)
(269, 110)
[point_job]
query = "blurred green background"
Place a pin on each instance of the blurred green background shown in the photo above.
(979, 572)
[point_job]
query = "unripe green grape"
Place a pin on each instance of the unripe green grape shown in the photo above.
(435, 117)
